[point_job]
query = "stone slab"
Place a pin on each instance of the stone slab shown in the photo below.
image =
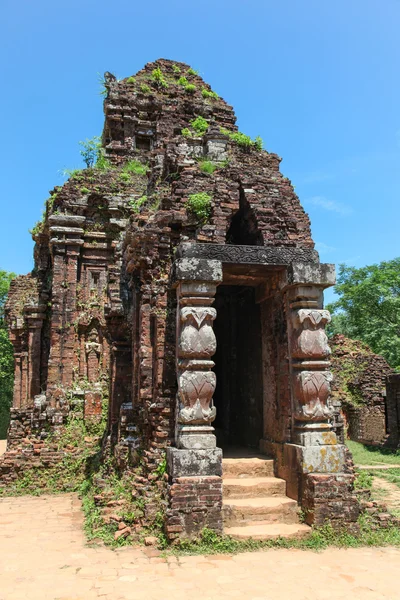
(194, 463)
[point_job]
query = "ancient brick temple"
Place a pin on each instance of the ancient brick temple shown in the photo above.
(207, 325)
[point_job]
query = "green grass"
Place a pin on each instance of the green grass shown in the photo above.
(320, 538)
(136, 167)
(207, 166)
(373, 455)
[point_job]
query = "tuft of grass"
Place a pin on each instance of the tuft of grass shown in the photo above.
(136, 203)
(183, 81)
(373, 455)
(363, 480)
(176, 69)
(199, 205)
(130, 80)
(207, 166)
(186, 132)
(144, 88)
(209, 94)
(136, 167)
(85, 190)
(242, 140)
(190, 88)
(192, 72)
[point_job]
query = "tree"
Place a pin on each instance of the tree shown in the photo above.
(368, 308)
(6, 358)
(91, 150)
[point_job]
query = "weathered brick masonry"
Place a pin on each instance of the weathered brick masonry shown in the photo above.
(362, 388)
(133, 289)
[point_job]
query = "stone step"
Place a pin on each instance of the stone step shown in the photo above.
(238, 512)
(262, 530)
(251, 487)
(247, 467)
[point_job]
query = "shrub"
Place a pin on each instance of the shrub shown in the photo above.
(158, 78)
(144, 88)
(209, 94)
(90, 150)
(200, 125)
(190, 88)
(192, 72)
(199, 205)
(130, 80)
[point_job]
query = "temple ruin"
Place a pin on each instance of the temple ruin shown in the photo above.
(194, 295)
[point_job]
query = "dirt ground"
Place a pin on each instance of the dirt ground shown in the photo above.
(44, 557)
(387, 492)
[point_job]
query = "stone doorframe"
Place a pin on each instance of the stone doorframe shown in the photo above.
(312, 462)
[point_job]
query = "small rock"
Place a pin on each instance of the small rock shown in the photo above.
(150, 540)
(122, 525)
(122, 533)
(114, 517)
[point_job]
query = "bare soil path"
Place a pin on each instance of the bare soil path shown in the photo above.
(388, 492)
(44, 557)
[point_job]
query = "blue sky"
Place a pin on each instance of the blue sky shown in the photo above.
(319, 81)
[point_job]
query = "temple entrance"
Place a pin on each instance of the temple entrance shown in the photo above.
(238, 366)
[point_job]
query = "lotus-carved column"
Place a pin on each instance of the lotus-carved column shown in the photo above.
(310, 364)
(196, 344)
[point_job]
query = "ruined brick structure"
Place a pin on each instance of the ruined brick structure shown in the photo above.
(208, 330)
(365, 388)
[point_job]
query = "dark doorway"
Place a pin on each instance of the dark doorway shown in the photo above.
(239, 395)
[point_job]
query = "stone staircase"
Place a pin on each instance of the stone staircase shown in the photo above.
(255, 504)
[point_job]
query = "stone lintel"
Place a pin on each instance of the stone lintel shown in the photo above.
(195, 269)
(262, 255)
(194, 463)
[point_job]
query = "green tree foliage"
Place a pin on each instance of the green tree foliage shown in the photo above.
(90, 151)
(6, 358)
(368, 308)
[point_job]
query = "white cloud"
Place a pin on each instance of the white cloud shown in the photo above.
(330, 205)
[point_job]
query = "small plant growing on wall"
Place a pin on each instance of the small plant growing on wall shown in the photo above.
(190, 88)
(199, 206)
(198, 126)
(158, 78)
(209, 94)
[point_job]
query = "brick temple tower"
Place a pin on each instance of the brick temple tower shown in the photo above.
(191, 289)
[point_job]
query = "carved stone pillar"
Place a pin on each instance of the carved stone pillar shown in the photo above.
(196, 344)
(311, 378)
(313, 464)
(195, 466)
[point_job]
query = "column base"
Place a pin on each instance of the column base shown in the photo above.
(196, 437)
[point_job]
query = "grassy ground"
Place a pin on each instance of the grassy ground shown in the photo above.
(371, 455)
